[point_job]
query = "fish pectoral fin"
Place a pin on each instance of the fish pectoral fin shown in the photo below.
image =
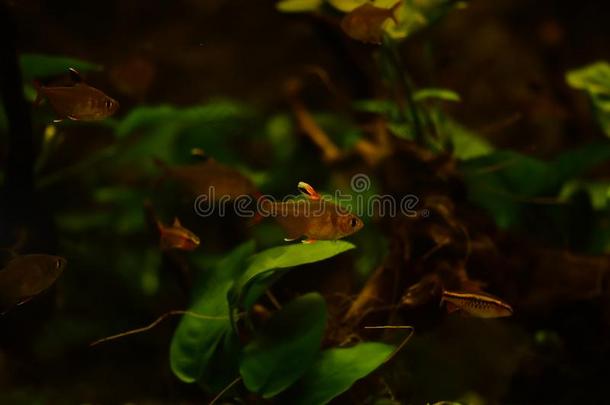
(75, 76)
(73, 118)
(308, 241)
(55, 121)
(452, 308)
(290, 240)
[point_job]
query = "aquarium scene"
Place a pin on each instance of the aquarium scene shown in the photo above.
(304, 202)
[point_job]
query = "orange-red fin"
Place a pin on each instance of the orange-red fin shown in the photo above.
(177, 223)
(308, 190)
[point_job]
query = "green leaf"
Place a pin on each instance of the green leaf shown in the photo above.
(436, 93)
(35, 65)
(269, 264)
(595, 80)
(285, 347)
(335, 371)
(205, 350)
(598, 192)
(298, 6)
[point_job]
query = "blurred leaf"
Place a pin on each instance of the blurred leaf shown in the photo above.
(465, 143)
(341, 130)
(194, 347)
(595, 80)
(503, 181)
(280, 131)
(298, 6)
(35, 65)
(269, 264)
(346, 5)
(415, 15)
(285, 346)
(384, 107)
(440, 94)
(335, 371)
(169, 133)
(598, 192)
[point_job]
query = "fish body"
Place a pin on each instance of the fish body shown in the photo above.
(77, 102)
(176, 237)
(211, 178)
(365, 23)
(477, 304)
(313, 218)
(26, 276)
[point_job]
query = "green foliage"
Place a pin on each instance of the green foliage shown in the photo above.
(298, 6)
(335, 370)
(286, 345)
(504, 182)
(595, 80)
(169, 133)
(267, 265)
(436, 93)
(206, 350)
(35, 66)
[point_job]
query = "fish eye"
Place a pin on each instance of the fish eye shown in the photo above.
(58, 264)
(108, 103)
(353, 222)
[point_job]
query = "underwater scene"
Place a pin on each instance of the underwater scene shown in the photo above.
(304, 202)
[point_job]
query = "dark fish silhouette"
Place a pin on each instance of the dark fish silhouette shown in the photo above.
(77, 102)
(26, 276)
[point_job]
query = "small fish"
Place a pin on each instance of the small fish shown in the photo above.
(365, 23)
(176, 237)
(313, 218)
(478, 304)
(26, 276)
(211, 178)
(77, 102)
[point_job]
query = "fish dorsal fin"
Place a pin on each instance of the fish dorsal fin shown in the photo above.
(75, 76)
(177, 223)
(308, 190)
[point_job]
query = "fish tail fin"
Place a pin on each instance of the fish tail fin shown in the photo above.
(39, 95)
(393, 11)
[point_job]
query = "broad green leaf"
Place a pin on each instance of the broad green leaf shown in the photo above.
(298, 6)
(436, 93)
(285, 347)
(335, 371)
(465, 143)
(194, 351)
(595, 80)
(35, 65)
(270, 264)
(346, 5)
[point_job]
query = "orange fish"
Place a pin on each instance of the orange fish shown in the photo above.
(176, 237)
(313, 218)
(211, 178)
(26, 276)
(365, 23)
(77, 102)
(478, 304)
